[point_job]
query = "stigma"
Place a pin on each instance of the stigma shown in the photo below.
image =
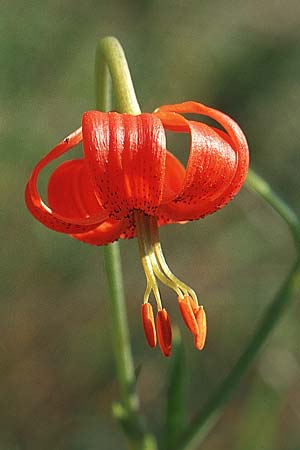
(159, 329)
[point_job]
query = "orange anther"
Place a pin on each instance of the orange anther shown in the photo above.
(201, 321)
(149, 324)
(164, 331)
(186, 308)
(194, 305)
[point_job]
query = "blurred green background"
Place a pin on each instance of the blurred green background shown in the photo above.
(57, 369)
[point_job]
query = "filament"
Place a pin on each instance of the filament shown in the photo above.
(154, 263)
(163, 264)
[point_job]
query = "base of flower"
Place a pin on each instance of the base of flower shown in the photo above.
(156, 268)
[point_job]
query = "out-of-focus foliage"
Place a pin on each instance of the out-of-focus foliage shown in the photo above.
(57, 371)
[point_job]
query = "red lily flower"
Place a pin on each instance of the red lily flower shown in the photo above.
(127, 184)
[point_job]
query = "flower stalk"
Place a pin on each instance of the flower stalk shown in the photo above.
(111, 70)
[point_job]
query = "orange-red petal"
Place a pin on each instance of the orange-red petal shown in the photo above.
(149, 324)
(57, 221)
(126, 157)
(164, 331)
(217, 165)
(70, 192)
(188, 315)
(174, 178)
(105, 233)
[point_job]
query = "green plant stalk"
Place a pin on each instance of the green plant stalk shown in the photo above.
(111, 65)
(207, 417)
(111, 62)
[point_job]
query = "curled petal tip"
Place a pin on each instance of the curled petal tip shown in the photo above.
(200, 338)
(186, 305)
(164, 332)
(149, 324)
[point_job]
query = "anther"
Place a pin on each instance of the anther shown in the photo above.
(194, 305)
(200, 338)
(186, 308)
(164, 331)
(149, 324)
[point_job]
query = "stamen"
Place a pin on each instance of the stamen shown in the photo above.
(164, 266)
(164, 331)
(149, 324)
(162, 277)
(200, 338)
(144, 228)
(155, 267)
(188, 314)
(146, 260)
(147, 292)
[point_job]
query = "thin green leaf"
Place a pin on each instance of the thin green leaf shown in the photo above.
(212, 410)
(207, 417)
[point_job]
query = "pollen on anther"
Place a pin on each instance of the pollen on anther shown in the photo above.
(186, 309)
(149, 324)
(200, 338)
(164, 331)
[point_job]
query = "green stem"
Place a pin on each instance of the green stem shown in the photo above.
(111, 60)
(120, 333)
(111, 64)
(207, 417)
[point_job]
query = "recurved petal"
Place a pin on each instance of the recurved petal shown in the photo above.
(174, 178)
(126, 158)
(217, 164)
(54, 220)
(70, 192)
(109, 231)
(237, 137)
